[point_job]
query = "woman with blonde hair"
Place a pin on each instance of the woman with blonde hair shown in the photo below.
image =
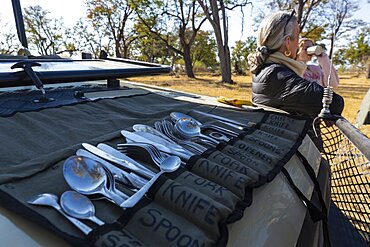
(317, 73)
(277, 80)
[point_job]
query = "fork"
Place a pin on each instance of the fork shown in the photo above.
(167, 128)
(137, 149)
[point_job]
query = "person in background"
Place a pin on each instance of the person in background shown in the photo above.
(317, 73)
(277, 75)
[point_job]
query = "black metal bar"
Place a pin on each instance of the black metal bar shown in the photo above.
(361, 141)
(136, 62)
(19, 22)
(49, 77)
(27, 67)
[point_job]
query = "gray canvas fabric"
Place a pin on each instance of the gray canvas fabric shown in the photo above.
(33, 141)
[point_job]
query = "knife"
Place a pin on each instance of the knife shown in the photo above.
(110, 150)
(137, 138)
(162, 141)
(228, 121)
(264, 127)
(135, 198)
(151, 130)
(121, 162)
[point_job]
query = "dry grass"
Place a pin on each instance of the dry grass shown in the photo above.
(353, 89)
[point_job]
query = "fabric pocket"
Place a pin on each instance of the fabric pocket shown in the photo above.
(230, 179)
(114, 235)
(197, 208)
(256, 159)
(223, 159)
(266, 136)
(157, 225)
(213, 190)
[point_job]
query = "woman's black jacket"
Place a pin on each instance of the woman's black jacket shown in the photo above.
(278, 86)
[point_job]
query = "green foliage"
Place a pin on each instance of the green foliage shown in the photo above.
(8, 40)
(150, 48)
(357, 54)
(8, 43)
(167, 19)
(115, 19)
(339, 57)
(240, 52)
(46, 34)
(314, 31)
(305, 11)
(84, 37)
(204, 49)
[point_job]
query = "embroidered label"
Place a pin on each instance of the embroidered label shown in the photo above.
(169, 229)
(118, 238)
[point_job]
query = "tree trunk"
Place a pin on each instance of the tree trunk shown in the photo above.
(224, 56)
(118, 49)
(188, 62)
(331, 46)
(222, 41)
(226, 74)
(225, 65)
(125, 51)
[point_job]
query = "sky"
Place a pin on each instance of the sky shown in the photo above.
(72, 10)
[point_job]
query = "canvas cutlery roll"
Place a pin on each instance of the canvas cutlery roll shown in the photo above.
(188, 207)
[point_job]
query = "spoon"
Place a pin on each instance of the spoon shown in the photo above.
(79, 206)
(178, 115)
(189, 129)
(119, 174)
(170, 164)
(88, 177)
(52, 201)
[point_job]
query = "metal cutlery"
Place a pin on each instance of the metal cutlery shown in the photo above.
(119, 174)
(141, 149)
(189, 129)
(149, 129)
(230, 122)
(171, 164)
(79, 206)
(223, 131)
(168, 129)
(51, 200)
(163, 142)
(88, 177)
(131, 176)
(137, 138)
(124, 163)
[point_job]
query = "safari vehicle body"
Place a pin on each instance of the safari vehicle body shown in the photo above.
(275, 214)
